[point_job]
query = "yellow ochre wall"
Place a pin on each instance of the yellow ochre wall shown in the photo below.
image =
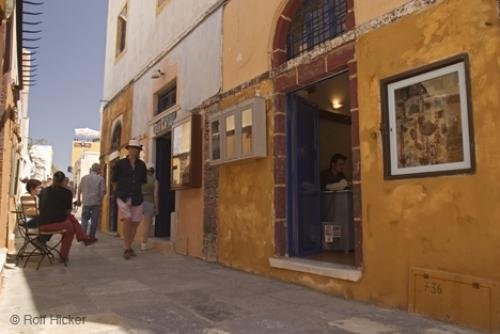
(189, 228)
(8, 154)
(247, 45)
(119, 106)
(448, 223)
(445, 223)
(77, 151)
(7, 203)
(248, 35)
(367, 10)
(245, 229)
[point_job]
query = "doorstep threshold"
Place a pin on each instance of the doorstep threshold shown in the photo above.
(321, 268)
(3, 259)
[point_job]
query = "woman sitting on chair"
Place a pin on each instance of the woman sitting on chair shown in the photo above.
(29, 202)
(55, 215)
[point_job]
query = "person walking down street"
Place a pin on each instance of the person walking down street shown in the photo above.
(56, 203)
(90, 194)
(150, 204)
(128, 176)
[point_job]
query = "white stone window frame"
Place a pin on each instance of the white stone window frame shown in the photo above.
(160, 5)
(122, 18)
(259, 131)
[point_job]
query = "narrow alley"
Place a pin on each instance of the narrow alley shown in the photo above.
(279, 166)
(169, 293)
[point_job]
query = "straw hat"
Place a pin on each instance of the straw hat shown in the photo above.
(134, 143)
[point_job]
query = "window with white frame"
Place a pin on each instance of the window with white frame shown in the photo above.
(161, 3)
(239, 132)
(121, 31)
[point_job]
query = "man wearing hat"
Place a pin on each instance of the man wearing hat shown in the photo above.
(128, 176)
(92, 189)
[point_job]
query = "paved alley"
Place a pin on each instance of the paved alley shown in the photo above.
(100, 292)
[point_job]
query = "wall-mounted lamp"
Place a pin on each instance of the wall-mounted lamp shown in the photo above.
(157, 75)
(336, 104)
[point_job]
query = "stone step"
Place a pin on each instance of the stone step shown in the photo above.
(3, 261)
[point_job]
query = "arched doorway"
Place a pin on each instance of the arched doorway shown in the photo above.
(319, 90)
(116, 137)
(115, 145)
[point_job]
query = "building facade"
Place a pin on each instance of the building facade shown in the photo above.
(406, 91)
(85, 151)
(83, 165)
(13, 107)
(42, 158)
(25, 163)
(162, 63)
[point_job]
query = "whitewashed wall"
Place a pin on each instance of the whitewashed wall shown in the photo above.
(25, 164)
(84, 164)
(42, 157)
(148, 34)
(197, 63)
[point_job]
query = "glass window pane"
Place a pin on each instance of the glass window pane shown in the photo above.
(182, 138)
(121, 31)
(246, 131)
(429, 122)
(215, 128)
(121, 35)
(180, 170)
(181, 153)
(315, 22)
(167, 99)
(230, 136)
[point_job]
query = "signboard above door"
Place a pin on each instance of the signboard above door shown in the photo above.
(164, 124)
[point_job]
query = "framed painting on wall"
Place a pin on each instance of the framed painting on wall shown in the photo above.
(427, 121)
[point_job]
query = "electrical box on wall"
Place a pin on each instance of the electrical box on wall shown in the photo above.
(466, 300)
(239, 132)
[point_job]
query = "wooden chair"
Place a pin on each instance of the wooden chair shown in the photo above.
(35, 242)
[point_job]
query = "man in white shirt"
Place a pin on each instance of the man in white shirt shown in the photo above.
(92, 189)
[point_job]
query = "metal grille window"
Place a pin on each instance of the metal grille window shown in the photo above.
(167, 99)
(316, 21)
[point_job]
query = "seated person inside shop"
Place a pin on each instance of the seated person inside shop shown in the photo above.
(333, 179)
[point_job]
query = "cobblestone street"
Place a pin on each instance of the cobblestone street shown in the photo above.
(168, 293)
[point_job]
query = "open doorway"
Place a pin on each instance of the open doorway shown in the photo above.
(166, 195)
(113, 207)
(320, 201)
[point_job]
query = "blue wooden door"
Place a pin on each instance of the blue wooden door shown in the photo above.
(303, 178)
